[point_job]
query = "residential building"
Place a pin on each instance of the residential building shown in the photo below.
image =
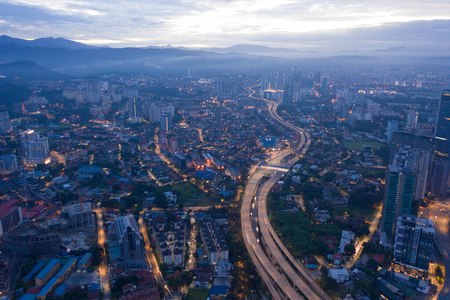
(8, 163)
(414, 241)
(131, 243)
(398, 196)
(35, 148)
(135, 109)
(170, 240)
(165, 122)
(391, 128)
(5, 126)
(412, 120)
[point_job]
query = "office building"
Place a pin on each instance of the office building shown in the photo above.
(440, 180)
(5, 126)
(179, 160)
(35, 148)
(135, 109)
(398, 196)
(414, 241)
(131, 243)
(442, 131)
(391, 128)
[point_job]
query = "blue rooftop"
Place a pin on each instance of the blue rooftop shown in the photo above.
(50, 284)
(64, 269)
(47, 269)
(60, 290)
(33, 271)
(218, 290)
(85, 259)
(90, 169)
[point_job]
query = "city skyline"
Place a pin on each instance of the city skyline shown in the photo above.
(319, 26)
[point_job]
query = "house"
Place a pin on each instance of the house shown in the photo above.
(340, 275)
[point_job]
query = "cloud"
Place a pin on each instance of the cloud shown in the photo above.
(324, 24)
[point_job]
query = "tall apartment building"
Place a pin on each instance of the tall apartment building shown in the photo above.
(225, 88)
(398, 196)
(5, 126)
(165, 122)
(131, 243)
(135, 109)
(412, 120)
(414, 241)
(418, 162)
(35, 148)
(391, 128)
(8, 163)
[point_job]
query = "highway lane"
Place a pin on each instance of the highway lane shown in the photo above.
(439, 214)
(296, 274)
(266, 268)
(276, 248)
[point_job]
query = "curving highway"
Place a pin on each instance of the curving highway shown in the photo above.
(439, 214)
(283, 275)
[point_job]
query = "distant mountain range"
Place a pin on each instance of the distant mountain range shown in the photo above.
(44, 42)
(76, 58)
(29, 70)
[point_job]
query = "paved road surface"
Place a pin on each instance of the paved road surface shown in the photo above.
(439, 214)
(275, 248)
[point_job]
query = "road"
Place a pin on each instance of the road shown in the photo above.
(61, 158)
(151, 260)
(439, 214)
(103, 269)
(282, 268)
(359, 244)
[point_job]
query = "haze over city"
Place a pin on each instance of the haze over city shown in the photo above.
(212, 150)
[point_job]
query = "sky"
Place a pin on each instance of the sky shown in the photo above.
(306, 25)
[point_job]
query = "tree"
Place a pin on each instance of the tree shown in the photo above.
(349, 249)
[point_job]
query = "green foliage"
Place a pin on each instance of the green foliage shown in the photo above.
(327, 283)
(121, 281)
(349, 249)
(383, 153)
(10, 94)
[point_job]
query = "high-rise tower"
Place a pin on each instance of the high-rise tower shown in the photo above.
(441, 167)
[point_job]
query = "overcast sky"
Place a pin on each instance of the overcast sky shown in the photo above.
(302, 24)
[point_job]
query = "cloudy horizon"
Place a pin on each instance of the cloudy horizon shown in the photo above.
(321, 25)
